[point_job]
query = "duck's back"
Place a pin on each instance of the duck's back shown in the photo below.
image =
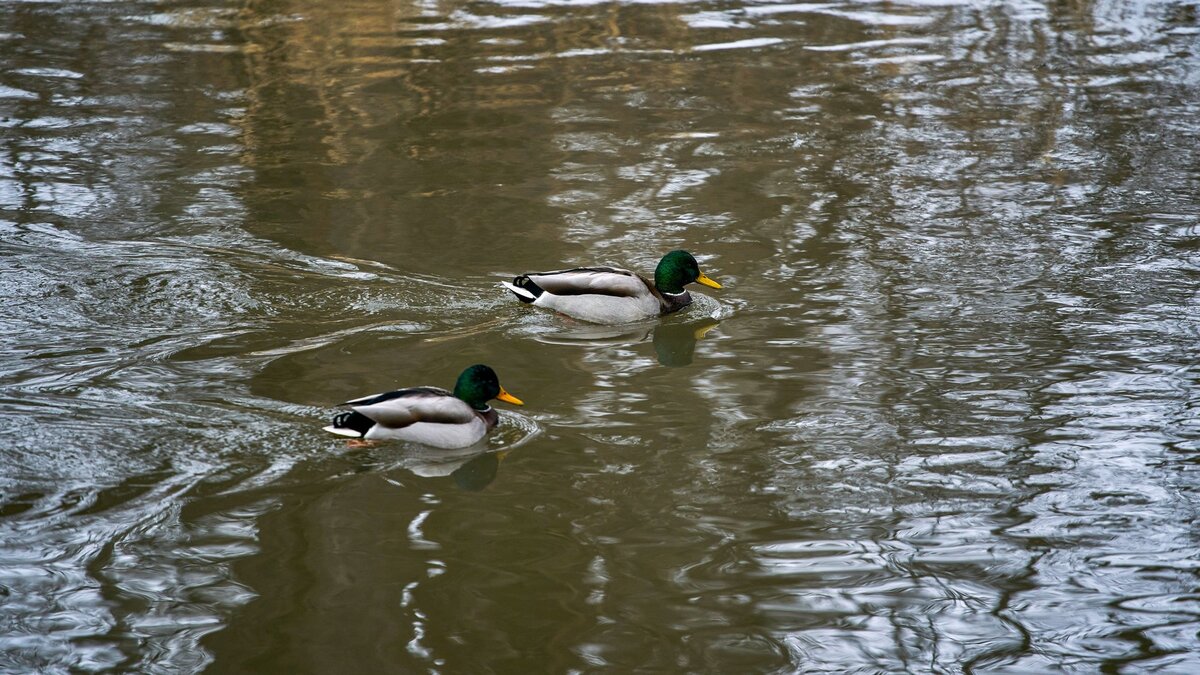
(595, 294)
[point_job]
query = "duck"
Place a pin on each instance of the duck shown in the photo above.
(428, 415)
(611, 295)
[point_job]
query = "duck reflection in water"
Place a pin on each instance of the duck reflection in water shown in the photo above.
(473, 468)
(674, 343)
(479, 471)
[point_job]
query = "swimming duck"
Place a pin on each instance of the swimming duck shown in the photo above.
(613, 295)
(428, 415)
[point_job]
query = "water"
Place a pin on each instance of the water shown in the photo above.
(940, 418)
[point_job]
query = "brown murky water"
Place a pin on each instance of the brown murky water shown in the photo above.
(942, 419)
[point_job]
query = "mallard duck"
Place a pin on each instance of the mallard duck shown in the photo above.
(613, 295)
(428, 415)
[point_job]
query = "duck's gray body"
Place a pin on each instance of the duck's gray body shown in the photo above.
(607, 295)
(427, 415)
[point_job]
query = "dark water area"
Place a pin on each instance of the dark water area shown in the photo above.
(941, 417)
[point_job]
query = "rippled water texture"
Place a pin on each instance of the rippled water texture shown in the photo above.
(940, 419)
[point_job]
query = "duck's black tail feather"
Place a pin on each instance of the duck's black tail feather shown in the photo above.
(525, 289)
(353, 421)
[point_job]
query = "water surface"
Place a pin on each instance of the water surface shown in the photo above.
(940, 419)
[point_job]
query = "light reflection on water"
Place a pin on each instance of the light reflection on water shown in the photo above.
(940, 417)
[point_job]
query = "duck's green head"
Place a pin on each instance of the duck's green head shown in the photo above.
(678, 269)
(478, 384)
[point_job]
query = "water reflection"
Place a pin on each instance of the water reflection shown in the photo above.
(472, 468)
(675, 343)
(478, 472)
(674, 340)
(947, 421)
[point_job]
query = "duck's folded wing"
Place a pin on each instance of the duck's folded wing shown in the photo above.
(591, 280)
(401, 408)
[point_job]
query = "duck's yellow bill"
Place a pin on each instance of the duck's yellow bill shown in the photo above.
(509, 398)
(707, 282)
